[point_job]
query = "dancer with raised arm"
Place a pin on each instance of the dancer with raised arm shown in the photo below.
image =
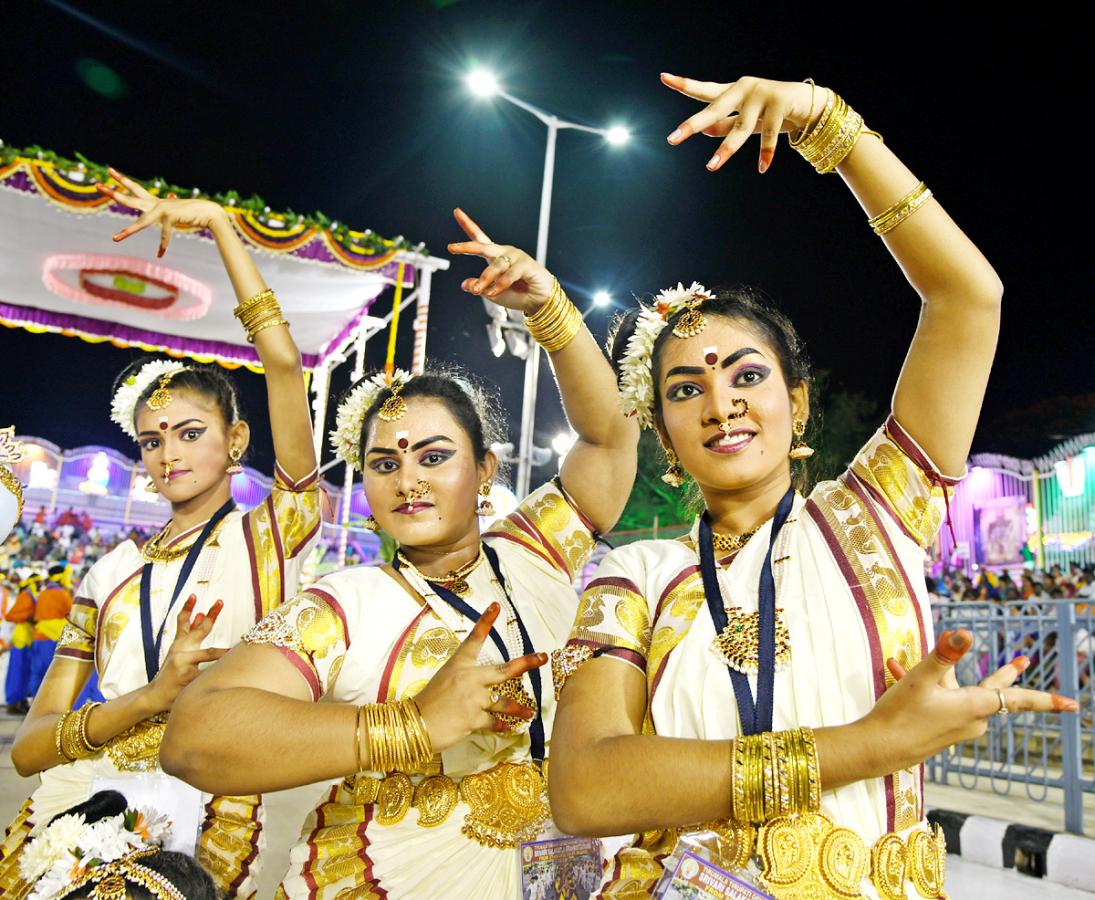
(145, 618)
(772, 672)
(438, 714)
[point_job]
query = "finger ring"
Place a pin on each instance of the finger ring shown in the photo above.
(495, 697)
(1003, 710)
(505, 259)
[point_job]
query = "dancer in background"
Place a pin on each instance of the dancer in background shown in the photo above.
(147, 617)
(20, 615)
(772, 673)
(50, 612)
(436, 709)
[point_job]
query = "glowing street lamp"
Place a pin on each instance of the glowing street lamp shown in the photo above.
(602, 298)
(483, 83)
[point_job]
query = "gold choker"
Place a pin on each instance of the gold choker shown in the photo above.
(455, 581)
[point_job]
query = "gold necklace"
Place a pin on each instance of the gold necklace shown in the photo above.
(455, 581)
(729, 543)
(153, 550)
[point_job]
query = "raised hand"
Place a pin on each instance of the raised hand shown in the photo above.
(738, 109)
(925, 712)
(458, 699)
(166, 212)
(180, 667)
(512, 278)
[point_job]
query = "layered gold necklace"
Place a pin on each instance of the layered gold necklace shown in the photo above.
(455, 581)
(154, 550)
(729, 543)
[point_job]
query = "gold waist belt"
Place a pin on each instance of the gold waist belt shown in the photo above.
(809, 856)
(137, 749)
(507, 804)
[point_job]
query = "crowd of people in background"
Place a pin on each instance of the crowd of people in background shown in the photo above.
(1071, 582)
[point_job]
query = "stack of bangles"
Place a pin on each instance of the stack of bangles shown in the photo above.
(259, 312)
(774, 774)
(555, 324)
(70, 736)
(398, 740)
(887, 221)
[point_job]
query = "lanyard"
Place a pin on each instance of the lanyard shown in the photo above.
(536, 727)
(756, 717)
(152, 644)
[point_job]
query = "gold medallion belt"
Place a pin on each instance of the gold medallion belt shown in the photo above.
(507, 803)
(137, 749)
(809, 857)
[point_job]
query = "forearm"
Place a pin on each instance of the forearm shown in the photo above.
(246, 740)
(940, 262)
(35, 747)
(631, 783)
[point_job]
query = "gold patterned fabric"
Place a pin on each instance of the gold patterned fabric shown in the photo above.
(848, 575)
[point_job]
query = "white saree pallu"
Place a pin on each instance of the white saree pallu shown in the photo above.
(850, 592)
(359, 636)
(252, 562)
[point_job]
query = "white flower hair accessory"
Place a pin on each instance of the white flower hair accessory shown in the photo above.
(69, 848)
(124, 404)
(636, 376)
(346, 438)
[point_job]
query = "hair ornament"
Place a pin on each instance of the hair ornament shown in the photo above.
(70, 853)
(636, 377)
(123, 407)
(346, 438)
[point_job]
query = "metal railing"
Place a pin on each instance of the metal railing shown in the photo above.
(1036, 750)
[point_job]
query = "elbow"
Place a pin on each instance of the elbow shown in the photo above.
(21, 761)
(574, 801)
(181, 753)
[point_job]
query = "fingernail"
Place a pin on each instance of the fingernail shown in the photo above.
(1021, 663)
(493, 292)
(160, 252)
(218, 605)
(1064, 704)
(477, 286)
(763, 166)
(714, 161)
(494, 607)
(116, 237)
(674, 137)
(958, 639)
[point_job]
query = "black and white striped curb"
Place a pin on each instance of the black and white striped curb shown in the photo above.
(1066, 859)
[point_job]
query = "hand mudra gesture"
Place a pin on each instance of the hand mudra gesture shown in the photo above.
(460, 698)
(512, 278)
(167, 212)
(180, 666)
(736, 110)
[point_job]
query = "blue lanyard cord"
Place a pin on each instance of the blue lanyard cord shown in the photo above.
(756, 717)
(153, 643)
(536, 727)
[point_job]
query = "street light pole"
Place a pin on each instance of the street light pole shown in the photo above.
(484, 84)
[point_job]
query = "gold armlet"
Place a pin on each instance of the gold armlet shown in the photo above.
(774, 774)
(886, 221)
(556, 323)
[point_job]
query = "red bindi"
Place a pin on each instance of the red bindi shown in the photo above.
(403, 443)
(163, 425)
(711, 359)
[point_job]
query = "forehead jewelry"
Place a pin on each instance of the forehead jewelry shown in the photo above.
(692, 321)
(161, 397)
(395, 407)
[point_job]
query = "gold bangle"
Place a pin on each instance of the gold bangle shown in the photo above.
(244, 305)
(737, 781)
(794, 139)
(270, 323)
(886, 221)
(813, 769)
(556, 323)
(358, 729)
(771, 802)
(833, 137)
(85, 713)
(57, 731)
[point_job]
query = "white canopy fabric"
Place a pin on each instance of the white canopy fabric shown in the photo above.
(61, 272)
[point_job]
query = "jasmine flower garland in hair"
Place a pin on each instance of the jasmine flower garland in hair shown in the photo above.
(346, 438)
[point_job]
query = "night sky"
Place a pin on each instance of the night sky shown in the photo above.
(358, 109)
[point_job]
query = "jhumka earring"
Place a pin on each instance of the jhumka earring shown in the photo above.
(395, 407)
(799, 450)
(150, 486)
(485, 508)
(161, 397)
(674, 475)
(371, 523)
(235, 468)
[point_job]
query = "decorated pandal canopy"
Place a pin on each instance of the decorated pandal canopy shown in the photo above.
(60, 272)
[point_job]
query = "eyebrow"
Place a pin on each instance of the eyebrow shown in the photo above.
(173, 428)
(726, 363)
(418, 446)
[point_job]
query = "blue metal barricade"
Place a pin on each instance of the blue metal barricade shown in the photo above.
(1036, 750)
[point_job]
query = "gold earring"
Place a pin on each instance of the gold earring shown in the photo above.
(674, 475)
(235, 468)
(800, 449)
(370, 523)
(485, 507)
(150, 486)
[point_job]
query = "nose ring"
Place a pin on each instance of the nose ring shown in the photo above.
(742, 410)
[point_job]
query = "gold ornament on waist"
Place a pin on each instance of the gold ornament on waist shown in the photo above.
(435, 798)
(394, 798)
(739, 642)
(507, 805)
(137, 749)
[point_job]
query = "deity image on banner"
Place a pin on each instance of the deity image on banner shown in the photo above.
(1001, 531)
